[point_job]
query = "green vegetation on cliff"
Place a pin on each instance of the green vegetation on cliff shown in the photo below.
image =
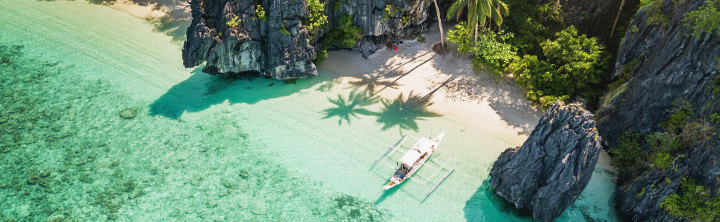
(260, 13)
(344, 35)
(391, 11)
(693, 202)
(316, 16)
(656, 16)
(628, 153)
(234, 22)
(705, 19)
(660, 150)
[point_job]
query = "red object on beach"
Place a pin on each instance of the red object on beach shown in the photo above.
(395, 48)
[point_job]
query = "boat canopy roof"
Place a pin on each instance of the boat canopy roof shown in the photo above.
(410, 157)
(424, 145)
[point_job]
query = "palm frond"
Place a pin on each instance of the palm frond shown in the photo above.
(456, 8)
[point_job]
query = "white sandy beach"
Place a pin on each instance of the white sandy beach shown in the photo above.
(458, 90)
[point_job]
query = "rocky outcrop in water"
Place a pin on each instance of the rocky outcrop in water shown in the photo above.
(661, 63)
(550, 170)
(280, 45)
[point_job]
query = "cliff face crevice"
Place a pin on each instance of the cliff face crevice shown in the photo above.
(550, 170)
(280, 44)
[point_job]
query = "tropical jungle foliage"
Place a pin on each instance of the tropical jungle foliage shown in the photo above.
(549, 59)
(569, 66)
(489, 51)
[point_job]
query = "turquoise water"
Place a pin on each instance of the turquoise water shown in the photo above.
(201, 148)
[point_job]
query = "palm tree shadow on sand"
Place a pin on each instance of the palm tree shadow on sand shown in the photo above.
(201, 91)
(352, 106)
(372, 81)
(404, 112)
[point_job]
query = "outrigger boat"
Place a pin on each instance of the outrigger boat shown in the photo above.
(413, 159)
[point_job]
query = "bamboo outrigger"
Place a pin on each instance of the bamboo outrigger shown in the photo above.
(413, 159)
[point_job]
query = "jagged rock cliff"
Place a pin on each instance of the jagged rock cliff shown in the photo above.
(641, 196)
(662, 62)
(280, 45)
(550, 170)
(668, 64)
(254, 45)
(379, 26)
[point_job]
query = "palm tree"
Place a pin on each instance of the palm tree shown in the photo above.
(479, 12)
(442, 35)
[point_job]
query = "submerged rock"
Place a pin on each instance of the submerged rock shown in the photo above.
(128, 113)
(550, 170)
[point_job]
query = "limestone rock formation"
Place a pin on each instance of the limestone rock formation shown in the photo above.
(550, 170)
(640, 197)
(662, 62)
(277, 45)
(280, 45)
(377, 24)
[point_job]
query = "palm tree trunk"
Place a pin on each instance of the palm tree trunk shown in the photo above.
(475, 20)
(476, 30)
(442, 35)
(616, 18)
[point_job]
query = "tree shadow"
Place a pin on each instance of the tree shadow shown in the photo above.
(351, 107)
(400, 76)
(502, 94)
(328, 85)
(484, 204)
(404, 112)
(371, 81)
(175, 21)
(201, 91)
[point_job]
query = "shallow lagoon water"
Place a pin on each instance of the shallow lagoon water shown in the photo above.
(208, 148)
